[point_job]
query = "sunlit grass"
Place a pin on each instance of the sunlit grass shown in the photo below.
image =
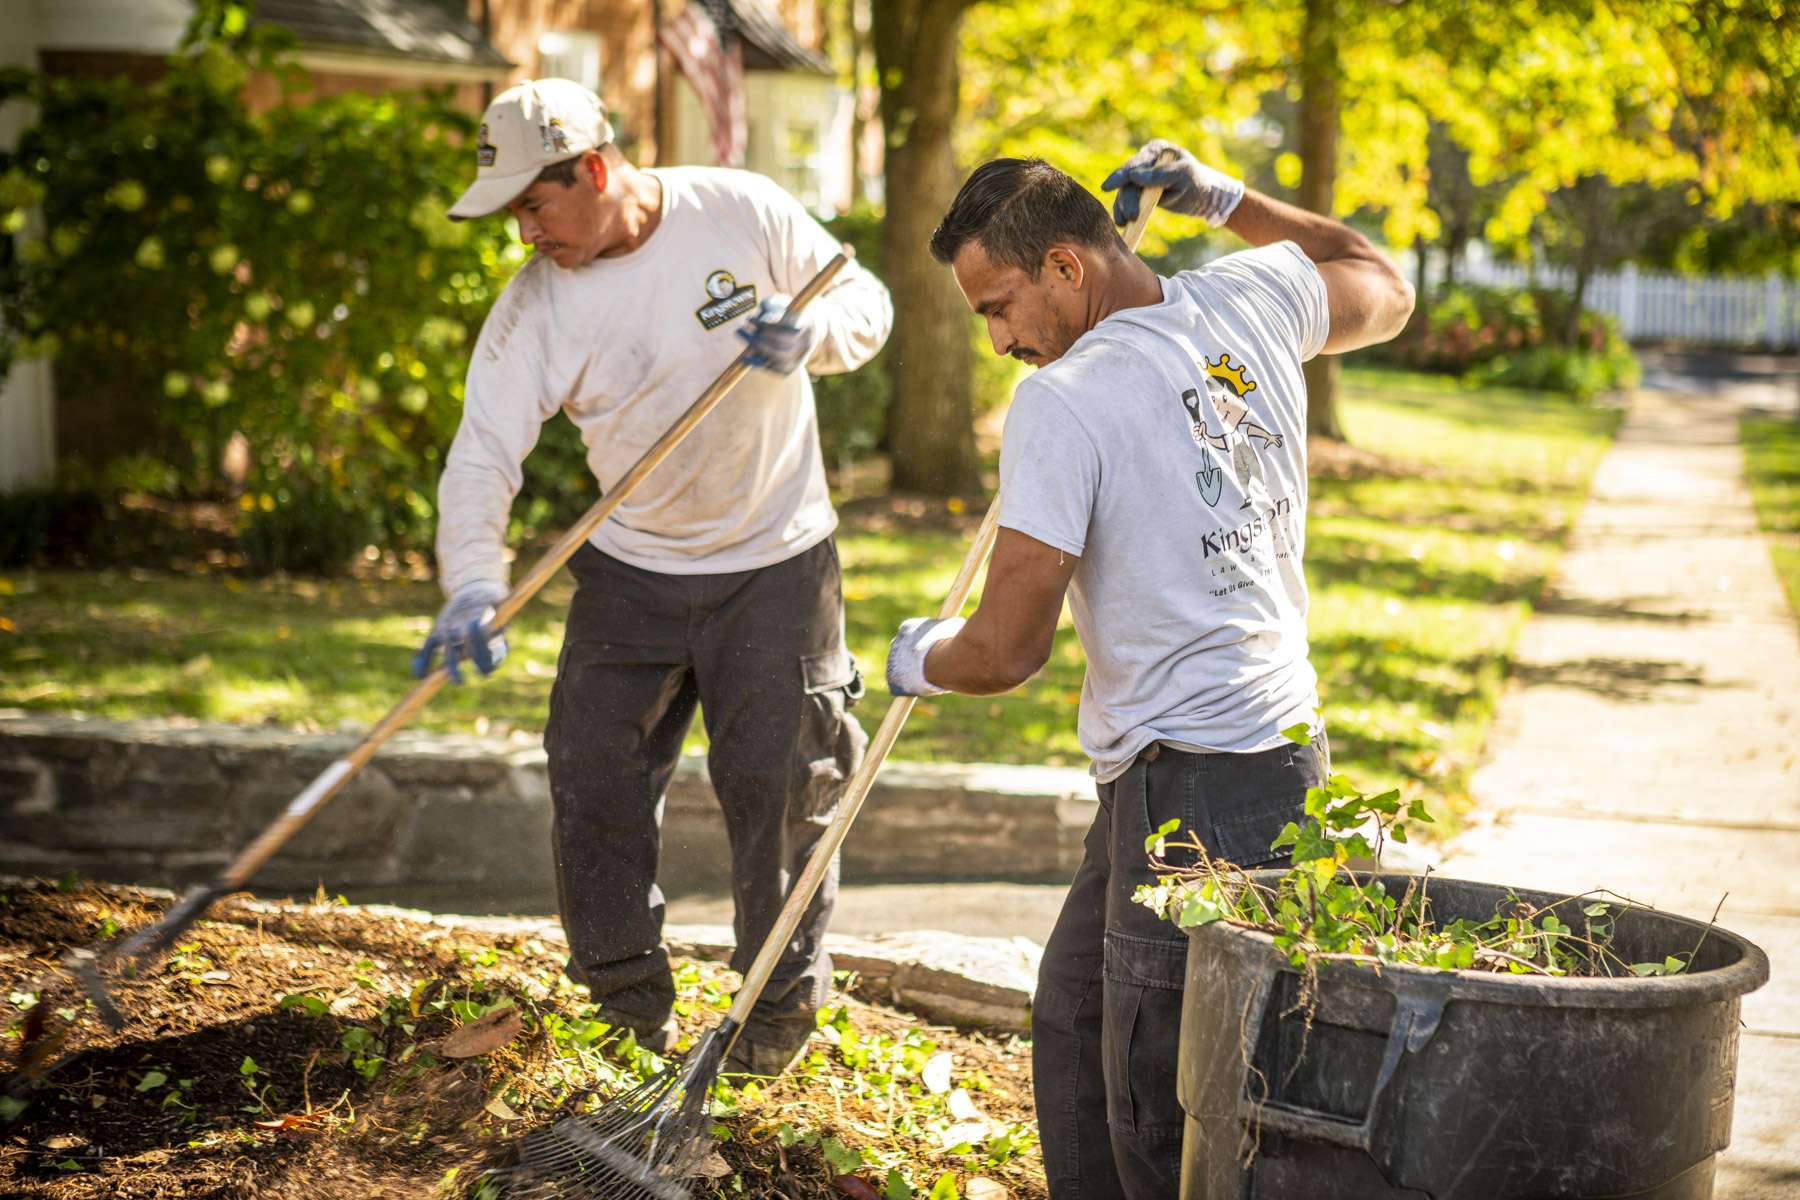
(1772, 461)
(1421, 582)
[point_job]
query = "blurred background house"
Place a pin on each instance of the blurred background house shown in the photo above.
(797, 122)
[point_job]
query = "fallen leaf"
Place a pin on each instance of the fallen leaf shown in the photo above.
(215, 977)
(856, 1186)
(983, 1188)
(713, 1166)
(483, 1034)
(936, 1072)
(962, 1108)
(501, 1109)
(971, 1132)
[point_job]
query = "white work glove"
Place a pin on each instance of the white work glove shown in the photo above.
(906, 654)
(463, 632)
(777, 342)
(1189, 185)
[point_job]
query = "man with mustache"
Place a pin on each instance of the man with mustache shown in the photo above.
(716, 583)
(1183, 574)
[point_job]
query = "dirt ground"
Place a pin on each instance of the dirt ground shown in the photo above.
(218, 1087)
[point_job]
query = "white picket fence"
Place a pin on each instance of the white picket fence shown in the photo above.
(1743, 311)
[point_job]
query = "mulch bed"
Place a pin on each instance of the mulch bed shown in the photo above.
(214, 1089)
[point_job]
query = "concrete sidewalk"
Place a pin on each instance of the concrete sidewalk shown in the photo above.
(1648, 744)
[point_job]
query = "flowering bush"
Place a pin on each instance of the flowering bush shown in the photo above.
(289, 276)
(1516, 338)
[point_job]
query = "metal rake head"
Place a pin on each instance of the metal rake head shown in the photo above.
(638, 1145)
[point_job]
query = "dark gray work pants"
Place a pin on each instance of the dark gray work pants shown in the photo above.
(1106, 1020)
(763, 653)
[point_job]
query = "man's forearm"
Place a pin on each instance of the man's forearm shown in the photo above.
(1260, 219)
(979, 661)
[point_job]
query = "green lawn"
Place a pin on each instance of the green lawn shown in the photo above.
(1772, 461)
(1423, 570)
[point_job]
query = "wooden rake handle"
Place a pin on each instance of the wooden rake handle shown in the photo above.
(857, 790)
(329, 781)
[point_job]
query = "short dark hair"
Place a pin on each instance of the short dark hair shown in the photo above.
(564, 172)
(1016, 209)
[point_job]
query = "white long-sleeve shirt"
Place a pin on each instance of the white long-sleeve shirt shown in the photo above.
(624, 345)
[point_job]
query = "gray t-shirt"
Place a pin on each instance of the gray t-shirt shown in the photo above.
(1167, 449)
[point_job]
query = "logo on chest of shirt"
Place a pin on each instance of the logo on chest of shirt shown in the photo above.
(729, 299)
(1224, 407)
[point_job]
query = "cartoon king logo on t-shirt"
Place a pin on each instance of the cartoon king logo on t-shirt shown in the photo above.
(1226, 387)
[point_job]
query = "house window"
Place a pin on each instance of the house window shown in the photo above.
(570, 54)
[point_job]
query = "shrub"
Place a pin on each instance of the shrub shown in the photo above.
(306, 528)
(1516, 337)
(47, 526)
(853, 408)
(290, 275)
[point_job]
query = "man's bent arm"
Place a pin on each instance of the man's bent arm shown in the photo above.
(1011, 631)
(855, 315)
(1369, 299)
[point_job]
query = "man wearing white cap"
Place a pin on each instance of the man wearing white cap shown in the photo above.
(716, 583)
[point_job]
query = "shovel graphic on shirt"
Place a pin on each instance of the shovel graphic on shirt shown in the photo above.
(1234, 439)
(1212, 483)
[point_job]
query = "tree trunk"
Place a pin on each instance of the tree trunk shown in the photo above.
(1318, 179)
(1421, 271)
(931, 425)
(1584, 271)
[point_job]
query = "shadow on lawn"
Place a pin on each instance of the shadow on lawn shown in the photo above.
(1333, 560)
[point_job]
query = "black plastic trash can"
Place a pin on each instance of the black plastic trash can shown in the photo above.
(1435, 1085)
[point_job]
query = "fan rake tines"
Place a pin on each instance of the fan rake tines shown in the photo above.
(638, 1145)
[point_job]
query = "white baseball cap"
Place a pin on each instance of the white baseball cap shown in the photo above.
(526, 128)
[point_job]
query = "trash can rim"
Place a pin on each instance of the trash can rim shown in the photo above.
(1749, 972)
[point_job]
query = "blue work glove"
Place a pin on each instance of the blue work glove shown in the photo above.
(462, 632)
(1189, 185)
(906, 654)
(777, 342)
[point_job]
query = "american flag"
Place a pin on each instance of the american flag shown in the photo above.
(716, 71)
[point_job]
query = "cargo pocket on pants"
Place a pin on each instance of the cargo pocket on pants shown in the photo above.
(831, 741)
(1139, 1035)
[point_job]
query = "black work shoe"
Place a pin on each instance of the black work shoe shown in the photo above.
(655, 1038)
(762, 1055)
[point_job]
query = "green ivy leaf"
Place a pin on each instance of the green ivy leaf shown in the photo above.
(945, 1188)
(896, 1187)
(152, 1079)
(1298, 733)
(1153, 844)
(843, 1159)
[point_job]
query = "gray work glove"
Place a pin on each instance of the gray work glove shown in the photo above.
(1189, 185)
(463, 631)
(906, 654)
(778, 342)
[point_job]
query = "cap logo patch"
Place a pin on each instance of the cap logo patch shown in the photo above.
(484, 149)
(555, 140)
(729, 299)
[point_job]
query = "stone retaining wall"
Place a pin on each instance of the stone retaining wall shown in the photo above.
(462, 818)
